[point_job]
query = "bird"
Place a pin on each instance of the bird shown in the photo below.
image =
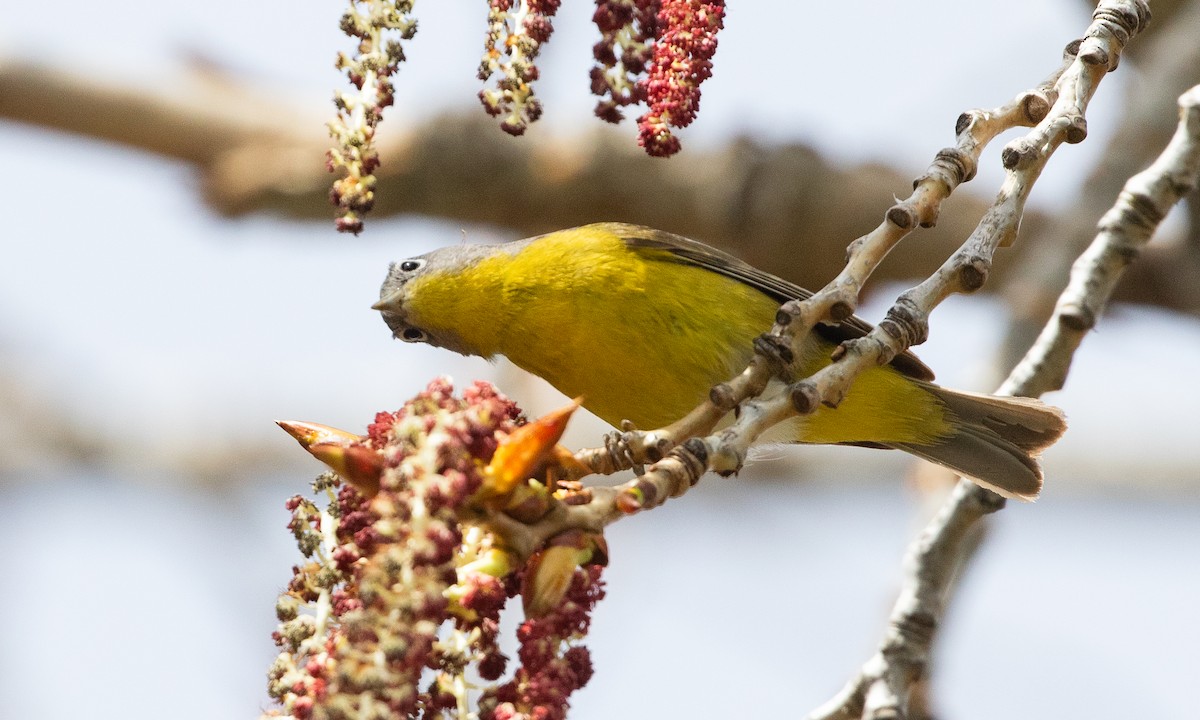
(641, 323)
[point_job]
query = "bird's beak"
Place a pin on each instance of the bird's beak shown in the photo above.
(392, 303)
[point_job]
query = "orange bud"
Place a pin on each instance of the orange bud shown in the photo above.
(307, 433)
(548, 578)
(526, 450)
(549, 573)
(356, 464)
(343, 452)
(567, 466)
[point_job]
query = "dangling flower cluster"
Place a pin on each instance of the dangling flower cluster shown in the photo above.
(627, 32)
(687, 40)
(652, 51)
(552, 667)
(369, 70)
(404, 581)
(514, 38)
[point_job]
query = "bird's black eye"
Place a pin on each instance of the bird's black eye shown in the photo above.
(412, 335)
(411, 265)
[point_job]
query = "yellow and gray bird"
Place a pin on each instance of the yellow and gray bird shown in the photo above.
(640, 323)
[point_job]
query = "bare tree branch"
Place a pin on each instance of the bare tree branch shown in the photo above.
(1168, 62)
(934, 558)
(1124, 231)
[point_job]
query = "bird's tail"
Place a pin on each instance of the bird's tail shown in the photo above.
(996, 440)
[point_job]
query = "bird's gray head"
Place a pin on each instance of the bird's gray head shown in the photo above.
(400, 297)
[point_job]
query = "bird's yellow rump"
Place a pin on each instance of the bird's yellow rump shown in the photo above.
(641, 323)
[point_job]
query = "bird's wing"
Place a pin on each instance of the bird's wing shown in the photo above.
(696, 253)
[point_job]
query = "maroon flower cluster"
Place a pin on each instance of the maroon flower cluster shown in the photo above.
(627, 32)
(379, 578)
(652, 51)
(514, 40)
(687, 40)
(402, 592)
(552, 668)
(370, 70)
(656, 52)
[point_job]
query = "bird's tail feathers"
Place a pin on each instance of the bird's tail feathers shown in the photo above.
(996, 440)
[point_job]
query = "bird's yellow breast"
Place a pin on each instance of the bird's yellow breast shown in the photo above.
(640, 335)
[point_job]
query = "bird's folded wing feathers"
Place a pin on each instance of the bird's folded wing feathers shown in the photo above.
(701, 255)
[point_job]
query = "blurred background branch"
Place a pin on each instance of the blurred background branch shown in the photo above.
(258, 153)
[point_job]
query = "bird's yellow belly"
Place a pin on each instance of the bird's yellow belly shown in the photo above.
(681, 335)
